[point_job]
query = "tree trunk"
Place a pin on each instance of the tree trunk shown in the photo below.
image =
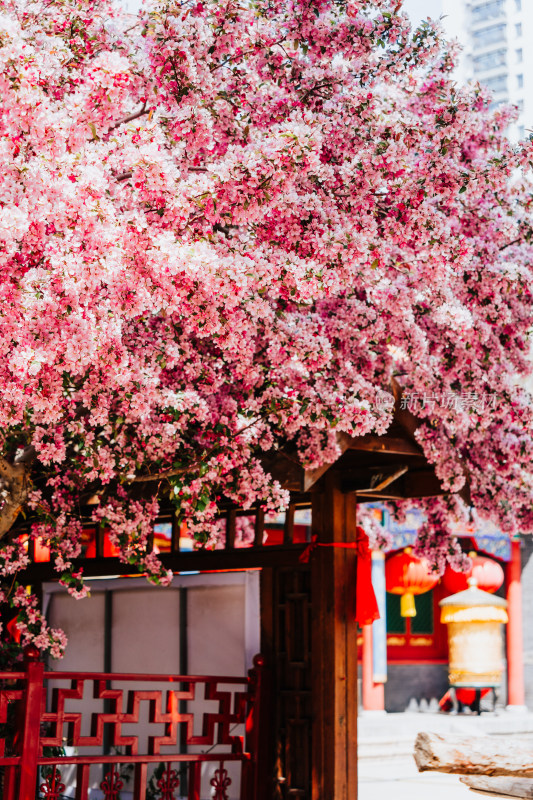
(494, 755)
(14, 486)
(506, 787)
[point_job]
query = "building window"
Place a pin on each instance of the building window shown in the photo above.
(519, 55)
(520, 105)
(488, 36)
(423, 622)
(520, 81)
(521, 132)
(497, 84)
(497, 58)
(518, 28)
(518, 4)
(395, 622)
(407, 627)
(491, 10)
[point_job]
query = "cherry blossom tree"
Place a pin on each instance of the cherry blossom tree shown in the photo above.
(225, 227)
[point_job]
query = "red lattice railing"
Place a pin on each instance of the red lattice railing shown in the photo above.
(186, 737)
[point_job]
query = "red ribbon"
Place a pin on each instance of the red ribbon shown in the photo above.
(366, 606)
(12, 629)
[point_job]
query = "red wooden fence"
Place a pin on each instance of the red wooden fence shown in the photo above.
(236, 701)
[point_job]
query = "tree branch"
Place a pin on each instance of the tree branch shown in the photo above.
(225, 229)
(144, 110)
(124, 176)
(27, 456)
(159, 476)
(240, 56)
(510, 244)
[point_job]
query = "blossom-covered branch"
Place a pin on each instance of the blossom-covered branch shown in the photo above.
(303, 206)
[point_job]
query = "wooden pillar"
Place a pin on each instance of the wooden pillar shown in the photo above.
(334, 647)
(515, 641)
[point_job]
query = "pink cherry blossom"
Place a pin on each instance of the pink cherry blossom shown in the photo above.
(225, 228)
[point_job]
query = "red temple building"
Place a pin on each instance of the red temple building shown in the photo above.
(404, 659)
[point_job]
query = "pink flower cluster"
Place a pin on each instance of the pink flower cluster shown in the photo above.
(224, 228)
(32, 626)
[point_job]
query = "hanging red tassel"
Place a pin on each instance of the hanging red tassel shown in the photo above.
(366, 605)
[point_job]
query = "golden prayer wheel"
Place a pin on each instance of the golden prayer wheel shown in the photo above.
(474, 619)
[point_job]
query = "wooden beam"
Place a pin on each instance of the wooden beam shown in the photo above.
(201, 561)
(311, 476)
(422, 483)
(386, 480)
(493, 756)
(385, 444)
(368, 444)
(415, 483)
(389, 493)
(394, 482)
(284, 469)
(371, 479)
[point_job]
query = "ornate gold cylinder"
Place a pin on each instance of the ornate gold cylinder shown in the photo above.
(474, 620)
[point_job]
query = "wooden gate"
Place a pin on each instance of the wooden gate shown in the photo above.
(34, 732)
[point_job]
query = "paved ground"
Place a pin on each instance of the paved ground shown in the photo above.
(397, 778)
(387, 770)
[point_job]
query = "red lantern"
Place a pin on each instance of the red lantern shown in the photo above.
(487, 572)
(407, 575)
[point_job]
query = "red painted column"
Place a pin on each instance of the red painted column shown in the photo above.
(373, 693)
(30, 745)
(515, 642)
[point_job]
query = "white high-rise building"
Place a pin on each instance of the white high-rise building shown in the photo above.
(497, 37)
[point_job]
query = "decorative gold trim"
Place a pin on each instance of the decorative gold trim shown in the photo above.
(421, 641)
(396, 641)
(458, 677)
(473, 614)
